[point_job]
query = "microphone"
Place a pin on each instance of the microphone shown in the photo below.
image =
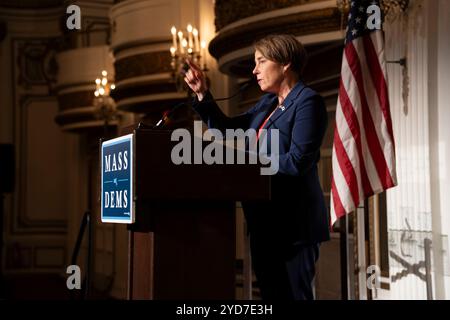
(167, 115)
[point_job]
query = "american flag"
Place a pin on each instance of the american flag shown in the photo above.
(363, 157)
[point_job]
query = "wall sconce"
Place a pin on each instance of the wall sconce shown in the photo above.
(186, 47)
(104, 104)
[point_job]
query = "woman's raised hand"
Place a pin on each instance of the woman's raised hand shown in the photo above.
(196, 79)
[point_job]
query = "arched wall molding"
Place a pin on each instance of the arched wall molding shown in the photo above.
(311, 21)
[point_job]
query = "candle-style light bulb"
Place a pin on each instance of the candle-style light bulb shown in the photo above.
(196, 45)
(203, 46)
(180, 38)
(174, 37)
(203, 54)
(191, 42)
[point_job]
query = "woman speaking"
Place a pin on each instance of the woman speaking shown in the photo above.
(285, 232)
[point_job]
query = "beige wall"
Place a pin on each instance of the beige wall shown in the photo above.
(36, 213)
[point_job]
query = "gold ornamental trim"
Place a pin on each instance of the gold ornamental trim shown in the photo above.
(299, 24)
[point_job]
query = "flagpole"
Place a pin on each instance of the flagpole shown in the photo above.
(368, 232)
(347, 256)
(343, 230)
(360, 234)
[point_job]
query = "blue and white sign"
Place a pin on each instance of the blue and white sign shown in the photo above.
(117, 180)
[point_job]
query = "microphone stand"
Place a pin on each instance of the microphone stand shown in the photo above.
(169, 114)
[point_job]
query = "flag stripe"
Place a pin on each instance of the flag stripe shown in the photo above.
(351, 87)
(379, 83)
(353, 124)
(337, 204)
(346, 167)
(342, 188)
(378, 45)
(372, 139)
(378, 119)
(349, 145)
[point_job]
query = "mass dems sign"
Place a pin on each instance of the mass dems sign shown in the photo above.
(117, 180)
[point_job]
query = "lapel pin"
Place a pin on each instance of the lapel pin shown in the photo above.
(282, 107)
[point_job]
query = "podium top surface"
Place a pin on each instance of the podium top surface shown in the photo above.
(157, 177)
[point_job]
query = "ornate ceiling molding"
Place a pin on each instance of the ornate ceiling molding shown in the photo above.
(74, 100)
(229, 11)
(142, 64)
(135, 92)
(31, 4)
(300, 24)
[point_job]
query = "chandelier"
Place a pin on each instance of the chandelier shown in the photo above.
(105, 106)
(185, 45)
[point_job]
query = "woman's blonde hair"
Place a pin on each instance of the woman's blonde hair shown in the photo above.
(284, 49)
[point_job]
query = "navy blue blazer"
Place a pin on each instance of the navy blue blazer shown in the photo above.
(297, 211)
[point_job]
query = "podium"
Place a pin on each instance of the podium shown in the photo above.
(182, 242)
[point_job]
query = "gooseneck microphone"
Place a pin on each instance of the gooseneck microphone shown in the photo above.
(168, 115)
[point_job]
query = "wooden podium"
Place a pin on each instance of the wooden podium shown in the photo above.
(182, 244)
